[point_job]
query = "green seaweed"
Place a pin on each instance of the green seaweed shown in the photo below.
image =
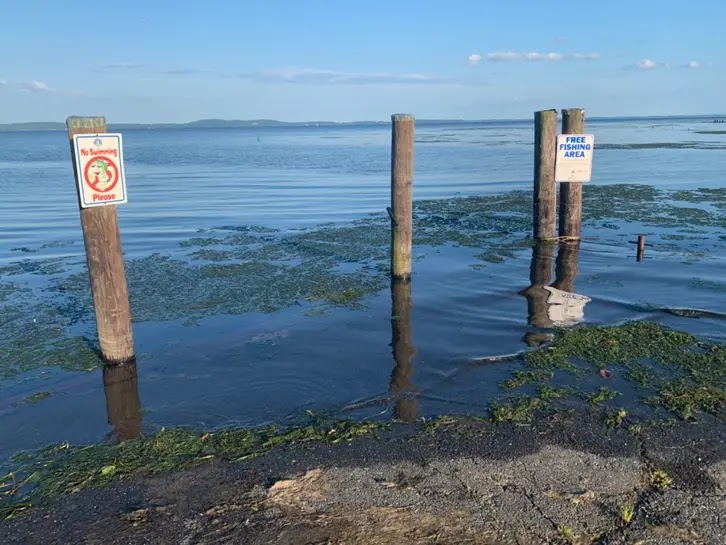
(64, 469)
(36, 397)
(689, 375)
(686, 398)
(230, 270)
(522, 378)
(603, 394)
(616, 418)
(519, 410)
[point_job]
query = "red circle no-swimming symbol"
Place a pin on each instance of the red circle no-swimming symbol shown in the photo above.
(101, 174)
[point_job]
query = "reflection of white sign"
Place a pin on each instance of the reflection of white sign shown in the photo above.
(574, 157)
(100, 169)
(565, 308)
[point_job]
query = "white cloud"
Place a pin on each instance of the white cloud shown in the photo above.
(586, 56)
(316, 76)
(311, 76)
(693, 65)
(504, 56)
(122, 66)
(512, 56)
(34, 86)
(474, 58)
(647, 64)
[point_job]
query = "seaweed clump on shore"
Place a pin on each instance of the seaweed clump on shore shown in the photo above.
(65, 469)
(671, 369)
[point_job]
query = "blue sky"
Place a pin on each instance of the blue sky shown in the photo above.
(159, 60)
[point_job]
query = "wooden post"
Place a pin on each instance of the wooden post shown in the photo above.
(105, 263)
(641, 247)
(544, 212)
(401, 388)
(123, 406)
(573, 122)
(540, 275)
(401, 211)
(566, 266)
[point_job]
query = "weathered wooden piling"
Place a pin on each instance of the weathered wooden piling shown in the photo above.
(573, 122)
(402, 389)
(540, 275)
(641, 247)
(544, 211)
(567, 266)
(105, 263)
(123, 406)
(401, 210)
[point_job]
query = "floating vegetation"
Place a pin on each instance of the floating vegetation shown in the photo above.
(687, 374)
(34, 334)
(603, 394)
(35, 398)
(522, 378)
(238, 269)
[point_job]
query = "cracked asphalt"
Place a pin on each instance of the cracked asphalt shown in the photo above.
(560, 480)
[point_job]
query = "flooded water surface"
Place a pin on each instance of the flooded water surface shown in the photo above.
(257, 263)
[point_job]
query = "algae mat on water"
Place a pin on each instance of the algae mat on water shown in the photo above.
(663, 367)
(238, 269)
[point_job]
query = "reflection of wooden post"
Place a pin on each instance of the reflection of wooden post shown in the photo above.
(566, 266)
(403, 351)
(544, 212)
(573, 122)
(123, 406)
(641, 247)
(105, 263)
(401, 194)
(540, 275)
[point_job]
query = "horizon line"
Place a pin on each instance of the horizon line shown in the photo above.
(362, 121)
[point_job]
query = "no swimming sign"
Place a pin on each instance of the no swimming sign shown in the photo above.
(100, 169)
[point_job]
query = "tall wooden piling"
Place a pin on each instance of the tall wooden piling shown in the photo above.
(544, 212)
(402, 389)
(401, 210)
(567, 266)
(573, 122)
(105, 263)
(123, 406)
(540, 275)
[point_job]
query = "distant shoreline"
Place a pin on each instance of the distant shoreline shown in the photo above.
(269, 123)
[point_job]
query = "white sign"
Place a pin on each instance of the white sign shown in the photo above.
(574, 157)
(565, 308)
(100, 169)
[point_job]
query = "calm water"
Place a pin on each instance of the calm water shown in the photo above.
(255, 367)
